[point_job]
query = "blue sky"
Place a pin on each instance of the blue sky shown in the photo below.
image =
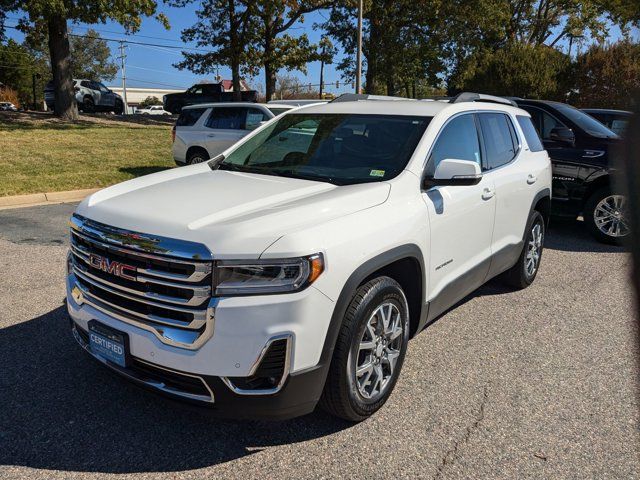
(152, 66)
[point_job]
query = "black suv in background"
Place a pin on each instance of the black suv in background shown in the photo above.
(203, 93)
(580, 150)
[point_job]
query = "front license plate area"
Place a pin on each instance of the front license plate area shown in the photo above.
(108, 343)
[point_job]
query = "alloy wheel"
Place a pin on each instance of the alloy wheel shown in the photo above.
(379, 350)
(610, 216)
(534, 250)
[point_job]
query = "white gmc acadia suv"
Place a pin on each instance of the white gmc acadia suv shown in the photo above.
(293, 269)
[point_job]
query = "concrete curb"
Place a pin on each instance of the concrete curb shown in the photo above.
(33, 199)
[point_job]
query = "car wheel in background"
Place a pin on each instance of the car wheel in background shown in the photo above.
(87, 105)
(606, 216)
(197, 156)
(369, 351)
(119, 108)
(524, 272)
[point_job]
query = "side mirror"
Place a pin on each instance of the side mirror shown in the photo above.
(454, 172)
(562, 135)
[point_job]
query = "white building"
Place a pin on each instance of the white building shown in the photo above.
(135, 95)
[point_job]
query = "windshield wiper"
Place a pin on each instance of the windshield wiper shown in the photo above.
(291, 173)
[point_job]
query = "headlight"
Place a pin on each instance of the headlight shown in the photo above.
(252, 277)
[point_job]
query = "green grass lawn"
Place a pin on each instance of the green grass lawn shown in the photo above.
(45, 156)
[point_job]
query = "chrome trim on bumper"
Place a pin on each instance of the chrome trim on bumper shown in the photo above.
(133, 376)
(169, 334)
(285, 374)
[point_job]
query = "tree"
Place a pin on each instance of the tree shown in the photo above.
(91, 57)
(401, 42)
(606, 75)
(49, 17)
(273, 47)
(149, 101)
(19, 65)
(288, 86)
(518, 70)
(487, 37)
(226, 26)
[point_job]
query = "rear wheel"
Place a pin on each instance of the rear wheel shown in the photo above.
(607, 216)
(524, 272)
(369, 351)
(197, 156)
(87, 105)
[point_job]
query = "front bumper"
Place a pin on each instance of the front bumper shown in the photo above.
(298, 395)
(214, 374)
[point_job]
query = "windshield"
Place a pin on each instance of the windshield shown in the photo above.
(585, 122)
(338, 148)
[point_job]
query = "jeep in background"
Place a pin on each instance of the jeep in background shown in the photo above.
(203, 93)
(580, 148)
(91, 96)
(292, 270)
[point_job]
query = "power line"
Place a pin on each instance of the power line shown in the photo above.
(112, 32)
(131, 42)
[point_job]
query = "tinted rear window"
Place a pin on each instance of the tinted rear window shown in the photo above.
(530, 134)
(189, 116)
(498, 139)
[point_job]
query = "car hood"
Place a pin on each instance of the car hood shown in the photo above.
(234, 214)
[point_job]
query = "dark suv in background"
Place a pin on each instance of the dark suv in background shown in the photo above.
(580, 150)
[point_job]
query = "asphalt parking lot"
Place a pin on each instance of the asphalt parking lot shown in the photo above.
(541, 383)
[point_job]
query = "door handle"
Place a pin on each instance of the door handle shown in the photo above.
(488, 193)
(531, 179)
(211, 135)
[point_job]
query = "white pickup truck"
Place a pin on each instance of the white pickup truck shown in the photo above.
(292, 270)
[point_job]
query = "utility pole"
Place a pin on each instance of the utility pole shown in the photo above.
(359, 52)
(124, 78)
(322, 70)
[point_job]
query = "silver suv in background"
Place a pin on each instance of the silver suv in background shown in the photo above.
(204, 131)
(91, 96)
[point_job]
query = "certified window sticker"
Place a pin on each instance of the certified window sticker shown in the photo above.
(376, 173)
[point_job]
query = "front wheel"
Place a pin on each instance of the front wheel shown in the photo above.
(607, 217)
(524, 272)
(369, 351)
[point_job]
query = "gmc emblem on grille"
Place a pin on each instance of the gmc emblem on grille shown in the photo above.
(112, 267)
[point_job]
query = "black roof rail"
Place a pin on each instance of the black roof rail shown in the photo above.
(481, 97)
(354, 97)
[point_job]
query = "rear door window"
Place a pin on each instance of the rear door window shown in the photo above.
(498, 139)
(530, 134)
(227, 118)
(254, 117)
(189, 116)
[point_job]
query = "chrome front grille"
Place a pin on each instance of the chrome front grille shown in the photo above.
(165, 287)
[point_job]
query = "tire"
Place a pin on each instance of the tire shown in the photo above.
(356, 397)
(607, 217)
(87, 105)
(119, 108)
(197, 156)
(524, 272)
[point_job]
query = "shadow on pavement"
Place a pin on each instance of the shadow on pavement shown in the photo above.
(63, 411)
(572, 236)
